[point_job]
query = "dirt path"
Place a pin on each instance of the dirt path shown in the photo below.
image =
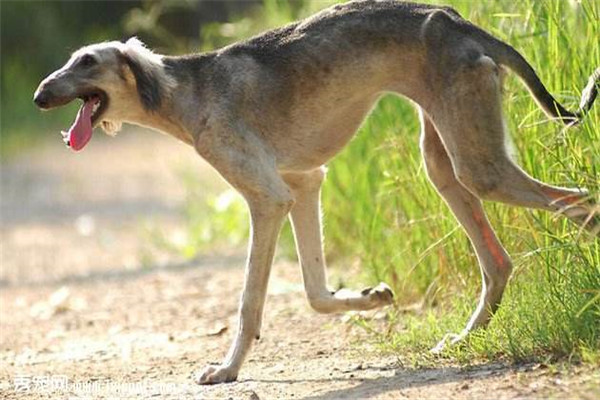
(90, 309)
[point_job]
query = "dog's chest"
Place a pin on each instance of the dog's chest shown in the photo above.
(316, 139)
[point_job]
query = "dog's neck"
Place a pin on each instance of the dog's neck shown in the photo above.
(162, 121)
(182, 82)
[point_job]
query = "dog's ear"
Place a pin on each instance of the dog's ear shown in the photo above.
(136, 42)
(146, 69)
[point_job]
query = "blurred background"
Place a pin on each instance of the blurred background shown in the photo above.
(383, 219)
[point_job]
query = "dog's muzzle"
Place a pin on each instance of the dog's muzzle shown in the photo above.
(42, 98)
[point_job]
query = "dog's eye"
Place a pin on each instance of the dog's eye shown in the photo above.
(87, 60)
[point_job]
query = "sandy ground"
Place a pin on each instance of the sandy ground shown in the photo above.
(90, 308)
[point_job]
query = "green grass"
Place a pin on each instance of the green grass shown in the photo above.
(380, 209)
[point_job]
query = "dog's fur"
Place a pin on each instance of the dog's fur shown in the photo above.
(270, 112)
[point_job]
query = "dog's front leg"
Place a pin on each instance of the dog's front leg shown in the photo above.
(266, 222)
(306, 221)
(251, 170)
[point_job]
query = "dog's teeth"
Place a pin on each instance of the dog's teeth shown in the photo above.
(64, 134)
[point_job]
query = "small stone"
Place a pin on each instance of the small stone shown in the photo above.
(253, 396)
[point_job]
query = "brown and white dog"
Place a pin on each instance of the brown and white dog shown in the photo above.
(268, 113)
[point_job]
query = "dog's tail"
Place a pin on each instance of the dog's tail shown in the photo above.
(508, 56)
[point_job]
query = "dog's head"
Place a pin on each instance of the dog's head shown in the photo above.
(116, 82)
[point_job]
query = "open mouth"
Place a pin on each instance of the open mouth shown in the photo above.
(90, 113)
(100, 103)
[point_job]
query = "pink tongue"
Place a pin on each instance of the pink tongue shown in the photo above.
(80, 132)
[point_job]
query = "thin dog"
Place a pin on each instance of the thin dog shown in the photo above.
(268, 113)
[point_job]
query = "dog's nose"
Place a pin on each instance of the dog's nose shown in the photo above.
(41, 99)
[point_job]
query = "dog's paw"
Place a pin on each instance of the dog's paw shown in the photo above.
(380, 294)
(448, 340)
(216, 374)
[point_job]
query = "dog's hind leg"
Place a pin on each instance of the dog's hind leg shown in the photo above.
(306, 221)
(468, 117)
(245, 163)
(494, 262)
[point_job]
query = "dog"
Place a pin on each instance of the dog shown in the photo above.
(268, 113)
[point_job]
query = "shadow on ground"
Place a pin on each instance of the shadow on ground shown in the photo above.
(407, 379)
